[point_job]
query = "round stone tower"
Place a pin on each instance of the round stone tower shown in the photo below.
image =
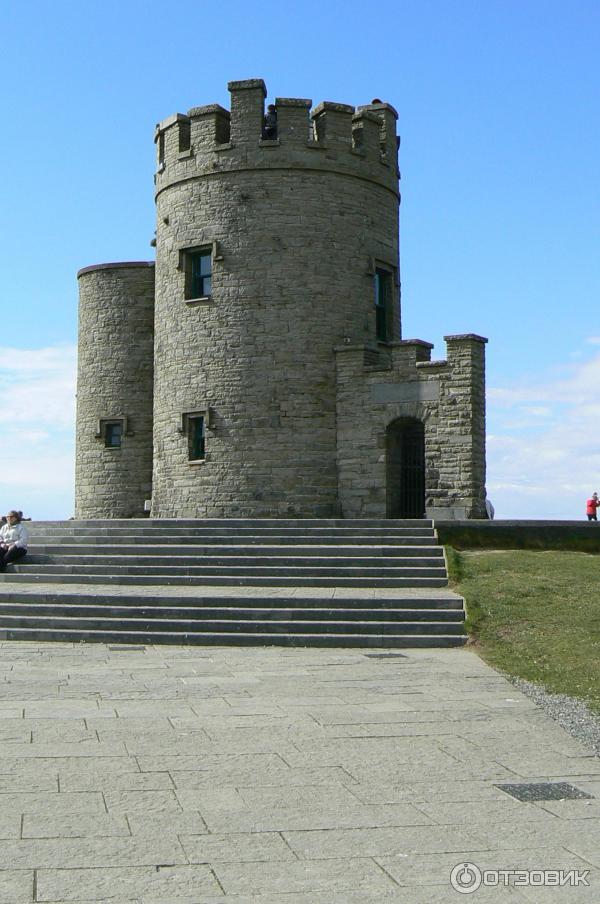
(269, 245)
(113, 465)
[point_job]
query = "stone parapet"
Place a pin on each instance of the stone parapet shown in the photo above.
(447, 397)
(360, 142)
(519, 534)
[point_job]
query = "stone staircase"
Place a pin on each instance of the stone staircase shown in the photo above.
(284, 582)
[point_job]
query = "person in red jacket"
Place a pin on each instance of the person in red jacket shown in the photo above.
(591, 506)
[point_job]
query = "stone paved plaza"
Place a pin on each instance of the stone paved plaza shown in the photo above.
(219, 775)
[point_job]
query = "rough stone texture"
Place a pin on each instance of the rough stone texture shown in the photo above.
(297, 226)
(115, 368)
(448, 397)
(296, 223)
(308, 776)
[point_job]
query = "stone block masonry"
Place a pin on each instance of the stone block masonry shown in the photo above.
(114, 386)
(299, 235)
(401, 386)
(295, 222)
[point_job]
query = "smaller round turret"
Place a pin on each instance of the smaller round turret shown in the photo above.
(114, 390)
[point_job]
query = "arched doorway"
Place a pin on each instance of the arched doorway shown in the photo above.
(405, 468)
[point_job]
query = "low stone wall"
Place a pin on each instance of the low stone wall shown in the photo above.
(583, 536)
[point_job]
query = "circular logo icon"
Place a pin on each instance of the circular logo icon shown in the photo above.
(465, 878)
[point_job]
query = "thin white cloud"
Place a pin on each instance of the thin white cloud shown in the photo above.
(35, 361)
(37, 387)
(37, 421)
(543, 458)
(537, 410)
(545, 465)
(579, 385)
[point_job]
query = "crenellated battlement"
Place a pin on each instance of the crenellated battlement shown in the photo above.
(359, 141)
(293, 122)
(209, 126)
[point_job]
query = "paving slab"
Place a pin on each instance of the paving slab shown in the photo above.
(147, 883)
(16, 886)
(278, 776)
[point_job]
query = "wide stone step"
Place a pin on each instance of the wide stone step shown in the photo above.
(139, 547)
(308, 582)
(245, 538)
(371, 641)
(252, 597)
(240, 523)
(222, 569)
(225, 613)
(222, 580)
(234, 561)
(202, 626)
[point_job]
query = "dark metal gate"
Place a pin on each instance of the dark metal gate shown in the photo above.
(405, 469)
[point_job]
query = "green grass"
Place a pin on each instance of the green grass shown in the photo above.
(535, 615)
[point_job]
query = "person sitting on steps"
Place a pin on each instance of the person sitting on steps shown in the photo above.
(13, 540)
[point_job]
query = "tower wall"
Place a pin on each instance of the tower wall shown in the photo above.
(114, 386)
(446, 396)
(296, 228)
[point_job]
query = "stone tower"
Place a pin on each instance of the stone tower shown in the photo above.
(291, 228)
(113, 465)
(281, 385)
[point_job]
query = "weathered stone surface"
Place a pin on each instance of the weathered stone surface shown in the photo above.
(70, 853)
(447, 397)
(318, 877)
(150, 883)
(78, 825)
(236, 848)
(115, 368)
(16, 886)
(386, 820)
(294, 225)
(282, 357)
(52, 804)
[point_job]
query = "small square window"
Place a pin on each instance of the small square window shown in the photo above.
(113, 434)
(111, 430)
(198, 272)
(196, 437)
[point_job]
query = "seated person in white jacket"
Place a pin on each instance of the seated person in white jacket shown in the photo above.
(13, 540)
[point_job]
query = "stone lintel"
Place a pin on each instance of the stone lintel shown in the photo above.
(415, 391)
(458, 439)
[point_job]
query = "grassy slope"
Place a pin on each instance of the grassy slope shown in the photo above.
(535, 615)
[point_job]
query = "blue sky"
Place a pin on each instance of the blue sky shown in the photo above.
(500, 221)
